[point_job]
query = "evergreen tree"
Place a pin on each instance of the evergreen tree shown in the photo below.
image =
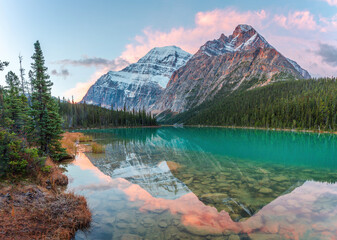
(22, 78)
(15, 104)
(3, 65)
(2, 94)
(45, 125)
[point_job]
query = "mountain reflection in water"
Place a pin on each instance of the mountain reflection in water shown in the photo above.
(210, 194)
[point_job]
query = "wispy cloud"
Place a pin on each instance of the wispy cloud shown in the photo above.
(102, 66)
(328, 54)
(62, 73)
(114, 64)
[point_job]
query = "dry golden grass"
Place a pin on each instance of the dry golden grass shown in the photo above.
(85, 138)
(97, 148)
(69, 141)
(31, 212)
(43, 211)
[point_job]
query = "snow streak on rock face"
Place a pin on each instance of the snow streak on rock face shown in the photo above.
(305, 74)
(140, 84)
(244, 59)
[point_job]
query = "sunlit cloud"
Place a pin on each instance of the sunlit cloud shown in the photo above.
(208, 25)
(331, 2)
(286, 32)
(299, 20)
(81, 88)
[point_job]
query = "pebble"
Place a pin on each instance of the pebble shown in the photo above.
(128, 236)
(265, 190)
(121, 225)
(279, 178)
(233, 237)
(122, 216)
(162, 224)
(147, 222)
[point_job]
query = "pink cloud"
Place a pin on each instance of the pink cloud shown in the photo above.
(299, 19)
(81, 88)
(208, 25)
(331, 2)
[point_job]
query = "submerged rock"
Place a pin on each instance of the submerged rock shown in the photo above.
(129, 236)
(233, 237)
(265, 190)
(147, 222)
(162, 223)
(213, 197)
(279, 178)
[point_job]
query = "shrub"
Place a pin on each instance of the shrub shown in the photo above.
(15, 157)
(97, 148)
(85, 138)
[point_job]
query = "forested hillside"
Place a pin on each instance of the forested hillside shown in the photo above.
(83, 115)
(300, 104)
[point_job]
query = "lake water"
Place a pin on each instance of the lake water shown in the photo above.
(208, 183)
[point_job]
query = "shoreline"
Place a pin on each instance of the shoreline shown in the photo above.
(84, 129)
(258, 128)
(42, 205)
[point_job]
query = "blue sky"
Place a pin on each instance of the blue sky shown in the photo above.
(83, 39)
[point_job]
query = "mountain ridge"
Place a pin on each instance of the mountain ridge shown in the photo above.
(170, 79)
(244, 57)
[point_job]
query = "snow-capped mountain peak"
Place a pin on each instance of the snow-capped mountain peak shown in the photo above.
(139, 84)
(244, 38)
(170, 55)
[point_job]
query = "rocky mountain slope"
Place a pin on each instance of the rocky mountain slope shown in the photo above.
(140, 84)
(243, 60)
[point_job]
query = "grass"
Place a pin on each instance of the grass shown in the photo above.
(31, 212)
(97, 148)
(70, 140)
(85, 138)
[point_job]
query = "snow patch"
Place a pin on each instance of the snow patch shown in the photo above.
(245, 27)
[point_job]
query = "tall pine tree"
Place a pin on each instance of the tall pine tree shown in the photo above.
(3, 64)
(46, 124)
(16, 106)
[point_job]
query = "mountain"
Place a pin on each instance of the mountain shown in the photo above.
(140, 84)
(243, 60)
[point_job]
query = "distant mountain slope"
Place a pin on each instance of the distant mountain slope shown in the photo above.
(244, 59)
(303, 104)
(140, 84)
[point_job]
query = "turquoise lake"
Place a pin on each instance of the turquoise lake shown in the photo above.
(208, 183)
